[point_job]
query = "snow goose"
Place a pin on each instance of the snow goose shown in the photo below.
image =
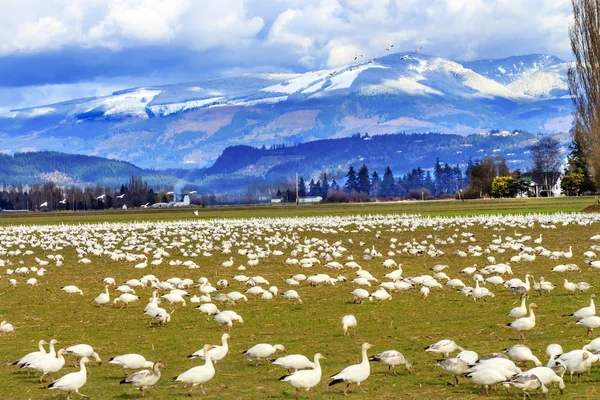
(522, 353)
(553, 350)
(444, 347)
(294, 362)
(357, 373)
(125, 298)
(6, 327)
(48, 365)
(526, 383)
(360, 295)
(455, 367)
(469, 356)
(200, 374)
(392, 358)
(547, 376)
(33, 355)
(570, 286)
(585, 312)
(103, 298)
(292, 295)
(577, 362)
(590, 323)
(217, 353)
(74, 381)
(349, 321)
(226, 318)
(262, 351)
(305, 379)
(485, 378)
(84, 350)
(593, 345)
(208, 309)
(131, 361)
(524, 324)
(519, 312)
(71, 289)
(174, 298)
(145, 378)
(381, 295)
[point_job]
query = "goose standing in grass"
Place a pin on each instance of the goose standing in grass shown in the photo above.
(84, 350)
(585, 312)
(593, 345)
(48, 365)
(263, 351)
(356, 373)
(570, 286)
(6, 327)
(199, 375)
(145, 378)
(485, 378)
(103, 298)
(294, 362)
(527, 383)
(217, 353)
(524, 324)
(349, 321)
(125, 298)
(521, 353)
(547, 376)
(74, 381)
(305, 379)
(33, 355)
(392, 358)
(455, 367)
(444, 347)
(292, 295)
(71, 289)
(131, 361)
(521, 311)
(590, 323)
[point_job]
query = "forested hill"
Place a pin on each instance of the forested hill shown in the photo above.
(402, 152)
(73, 169)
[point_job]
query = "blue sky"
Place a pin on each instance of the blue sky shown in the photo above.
(55, 50)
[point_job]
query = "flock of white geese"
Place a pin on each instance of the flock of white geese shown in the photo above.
(294, 242)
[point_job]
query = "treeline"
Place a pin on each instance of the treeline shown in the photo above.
(48, 196)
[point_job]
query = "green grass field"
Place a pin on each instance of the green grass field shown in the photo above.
(406, 323)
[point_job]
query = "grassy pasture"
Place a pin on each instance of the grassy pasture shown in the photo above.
(405, 323)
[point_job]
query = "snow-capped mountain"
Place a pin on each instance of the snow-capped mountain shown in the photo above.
(167, 126)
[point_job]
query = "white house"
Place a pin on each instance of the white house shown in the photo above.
(310, 200)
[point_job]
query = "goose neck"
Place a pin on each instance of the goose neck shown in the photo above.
(365, 357)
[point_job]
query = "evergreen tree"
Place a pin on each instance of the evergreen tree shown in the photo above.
(334, 185)
(375, 184)
(311, 188)
(428, 184)
(387, 184)
(458, 178)
(363, 181)
(448, 180)
(301, 187)
(351, 184)
(470, 166)
(324, 186)
(315, 189)
(437, 177)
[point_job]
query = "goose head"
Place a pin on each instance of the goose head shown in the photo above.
(367, 346)
(532, 306)
(319, 356)
(280, 347)
(84, 360)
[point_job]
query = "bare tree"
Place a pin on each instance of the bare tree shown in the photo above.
(546, 156)
(584, 79)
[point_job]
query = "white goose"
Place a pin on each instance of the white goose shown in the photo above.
(74, 381)
(455, 367)
(263, 351)
(145, 378)
(522, 353)
(33, 355)
(71, 289)
(131, 361)
(198, 375)
(349, 321)
(486, 377)
(103, 298)
(585, 312)
(392, 358)
(444, 347)
(524, 324)
(521, 311)
(357, 373)
(590, 323)
(547, 376)
(48, 365)
(217, 353)
(305, 379)
(294, 362)
(84, 350)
